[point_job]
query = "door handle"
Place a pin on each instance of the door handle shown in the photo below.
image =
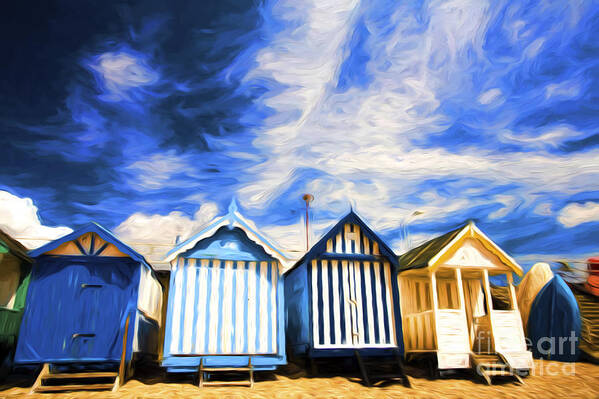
(85, 285)
(82, 335)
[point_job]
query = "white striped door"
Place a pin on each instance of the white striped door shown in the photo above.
(352, 304)
(223, 307)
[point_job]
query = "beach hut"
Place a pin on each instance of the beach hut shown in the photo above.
(448, 312)
(225, 308)
(15, 267)
(534, 280)
(341, 298)
(93, 303)
(592, 283)
(554, 323)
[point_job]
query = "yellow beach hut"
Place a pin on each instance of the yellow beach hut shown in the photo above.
(448, 312)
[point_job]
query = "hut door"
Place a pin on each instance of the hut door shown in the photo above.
(476, 313)
(352, 304)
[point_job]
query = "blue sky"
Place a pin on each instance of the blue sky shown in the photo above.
(149, 117)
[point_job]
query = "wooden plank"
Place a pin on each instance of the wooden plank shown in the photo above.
(226, 369)
(91, 374)
(38, 382)
(201, 372)
(124, 353)
(487, 288)
(362, 368)
(435, 308)
(227, 383)
(510, 281)
(88, 387)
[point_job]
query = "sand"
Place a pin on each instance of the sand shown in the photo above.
(548, 380)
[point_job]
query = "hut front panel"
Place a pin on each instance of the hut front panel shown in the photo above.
(507, 331)
(222, 307)
(351, 240)
(352, 304)
(10, 275)
(90, 244)
(76, 308)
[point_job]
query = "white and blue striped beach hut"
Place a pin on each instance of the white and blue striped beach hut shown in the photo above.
(342, 295)
(226, 299)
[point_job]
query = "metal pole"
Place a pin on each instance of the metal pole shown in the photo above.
(307, 198)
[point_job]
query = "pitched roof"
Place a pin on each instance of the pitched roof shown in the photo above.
(91, 227)
(420, 256)
(429, 253)
(15, 247)
(320, 246)
(232, 219)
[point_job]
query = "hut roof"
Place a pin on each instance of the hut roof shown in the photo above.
(320, 246)
(232, 219)
(9, 244)
(429, 254)
(92, 227)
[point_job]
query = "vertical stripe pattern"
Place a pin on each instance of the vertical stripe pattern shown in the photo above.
(352, 304)
(223, 307)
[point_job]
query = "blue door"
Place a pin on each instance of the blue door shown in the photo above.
(75, 309)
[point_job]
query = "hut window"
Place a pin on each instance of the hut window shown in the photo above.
(447, 294)
(9, 282)
(423, 296)
(500, 292)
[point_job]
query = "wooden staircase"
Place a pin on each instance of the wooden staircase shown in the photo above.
(204, 371)
(489, 365)
(88, 380)
(48, 381)
(379, 369)
(589, 314)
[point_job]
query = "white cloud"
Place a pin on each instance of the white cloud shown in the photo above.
(566, 89)
(574, 214)
(508, 202)
(158, 170)
(490, 96)
(361, 140)
(552, 136)
(544, 209)
(122, 71)
(140, 227)
(154, 235)
(19, 219)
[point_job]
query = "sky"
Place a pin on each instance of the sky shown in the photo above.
(148, 117)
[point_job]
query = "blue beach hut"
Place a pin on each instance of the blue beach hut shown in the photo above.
(554, 322)
(225, 306)
(93, 303)
(341, 297)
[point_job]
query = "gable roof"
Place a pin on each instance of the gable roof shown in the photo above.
(232, 219)
(429, 254)
(15, 247)
(91, 227)
(320, 246)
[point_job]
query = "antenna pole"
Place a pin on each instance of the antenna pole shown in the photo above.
(307, 198)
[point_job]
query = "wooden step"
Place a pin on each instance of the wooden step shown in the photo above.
(248, 369)
(385, 377)
(505, 373)
(207, 369)
(91, 374)
(382, 363)
(491, 365)
(59, 388)
(227, 383)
